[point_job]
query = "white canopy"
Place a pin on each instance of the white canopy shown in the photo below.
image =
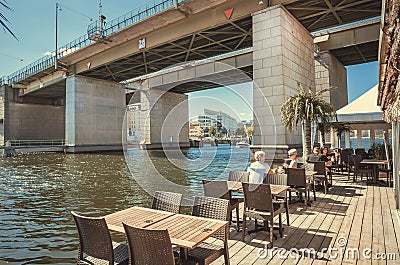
(362, 109)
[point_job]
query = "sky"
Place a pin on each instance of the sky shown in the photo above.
(33, 22)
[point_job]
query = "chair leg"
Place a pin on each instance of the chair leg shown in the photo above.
(237, 218)
(244, 226)
(325, 186)
(271, 233)
(315, 197)
(280, 225)
(287, 213)
(226, 248)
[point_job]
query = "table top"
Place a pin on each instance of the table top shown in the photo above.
(189, 231)
(136, 216)
(374, 162)
(185, 231)
(275, 189)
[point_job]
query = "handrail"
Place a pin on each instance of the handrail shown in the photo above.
(138, 14)
(51, 142)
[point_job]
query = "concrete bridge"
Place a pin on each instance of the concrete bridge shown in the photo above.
(83, 100)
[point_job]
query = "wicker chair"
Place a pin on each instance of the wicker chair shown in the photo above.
(298, 182)
(320, 177)
(359, 169)
(95, 245)
(240, 176)
(260, 206)
(214, 208)
(345, 158)
(388, 170)
(279, 179)
(167, 201)
(219, 189)
(148, 246)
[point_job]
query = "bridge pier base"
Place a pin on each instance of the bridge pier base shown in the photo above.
(29, 118)
(164, 120)
(94, 114)
(283, 55)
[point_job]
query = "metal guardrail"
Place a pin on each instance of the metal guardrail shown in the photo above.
(56, 142)
(143, 12)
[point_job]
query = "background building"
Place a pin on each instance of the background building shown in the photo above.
(133, 122)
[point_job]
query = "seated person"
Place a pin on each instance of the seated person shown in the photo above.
(315, 156)
(292, 161)
(258, 168)
(324, 156)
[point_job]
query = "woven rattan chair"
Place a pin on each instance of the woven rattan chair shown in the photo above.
(167, 201)
(240, 176)
(388, 170)
(320, 177)
(219, 189)
(214, 208)
(359, 169)
(298, 182)
(95, 245)
(279, 179)
(260, 206)
(148, 246)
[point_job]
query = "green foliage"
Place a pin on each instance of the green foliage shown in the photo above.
(250, 131)
(306, 106)
(212, 131)
(380, 152)
(3, 19)
(240, 130)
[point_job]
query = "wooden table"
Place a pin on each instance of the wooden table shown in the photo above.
(185, 231)
(375, 163)
(275, 189)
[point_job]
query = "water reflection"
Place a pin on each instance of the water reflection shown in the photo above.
(38, 191)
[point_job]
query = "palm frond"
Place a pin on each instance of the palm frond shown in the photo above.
(4, 20)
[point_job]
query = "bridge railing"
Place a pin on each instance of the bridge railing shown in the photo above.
(143, 12)
(56, 142)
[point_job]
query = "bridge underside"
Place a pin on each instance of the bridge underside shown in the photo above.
(201, 45)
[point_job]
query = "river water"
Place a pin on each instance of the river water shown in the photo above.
(38, 192)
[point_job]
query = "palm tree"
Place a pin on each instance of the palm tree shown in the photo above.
(306, 108)
(324, 128)
(340, 128)
(3, 19)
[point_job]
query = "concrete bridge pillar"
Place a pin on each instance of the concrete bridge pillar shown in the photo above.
(164, 119)
(329, 72)
(94, 114)
(282, 56)
(30, 118)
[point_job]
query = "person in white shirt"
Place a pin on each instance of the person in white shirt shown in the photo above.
(258, 169)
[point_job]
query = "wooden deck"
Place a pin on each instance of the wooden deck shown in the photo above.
(350, 217)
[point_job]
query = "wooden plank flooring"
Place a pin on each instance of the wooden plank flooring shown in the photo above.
(358, 220)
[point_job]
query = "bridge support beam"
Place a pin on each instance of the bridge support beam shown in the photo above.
(329, 72)
(31, 119)
(94, 114)
(282, 56)
(164, 119)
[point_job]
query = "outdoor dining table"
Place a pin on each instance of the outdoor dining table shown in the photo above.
(185, 231)
(275, 189)
(375, 163)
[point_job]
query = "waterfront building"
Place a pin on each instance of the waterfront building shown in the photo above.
(133, 122)
(226, 121)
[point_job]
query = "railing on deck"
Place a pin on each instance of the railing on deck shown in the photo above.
(143, 12)
(56, 142)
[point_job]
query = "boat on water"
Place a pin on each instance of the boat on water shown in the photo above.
(243, 144)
